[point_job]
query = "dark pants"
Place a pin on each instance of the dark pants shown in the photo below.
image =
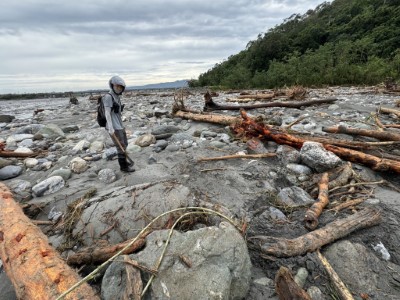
(121, 136)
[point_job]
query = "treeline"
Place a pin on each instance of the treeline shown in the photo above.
(338, 43)
(35, 96)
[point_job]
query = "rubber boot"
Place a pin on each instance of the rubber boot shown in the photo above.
(125, 166)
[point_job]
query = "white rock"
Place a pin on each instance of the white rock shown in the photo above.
(78, 165)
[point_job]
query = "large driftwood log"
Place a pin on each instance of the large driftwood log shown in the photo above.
(380, 135)
(36, 270)
(250, 128)
(99, 255)
(281, 247)
(210, 105)
(287, 288)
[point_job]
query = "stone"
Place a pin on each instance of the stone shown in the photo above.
(64, 173)
(110, 153)
(8, 172)
(145, 140)
(23, 150)
(19, 186)
(287, 154)
(220, 266)
(49, 186)
(315, 293)
(164, 129)
(81, 146)
(301, 277)
(51, 131)
(132, 148)
(107, 176)
(316, 157)
(299, 169)
(78, 165)
(172, 148)
(4, 162)
(6, 118)
(70, 128)
(30, 162)
(294, 197)
(181, 137)
(96, 147)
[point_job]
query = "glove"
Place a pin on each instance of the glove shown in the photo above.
(111, 131)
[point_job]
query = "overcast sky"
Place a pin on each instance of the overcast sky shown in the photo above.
(76, 45)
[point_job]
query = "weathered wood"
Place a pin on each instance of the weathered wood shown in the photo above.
(312, 214)
(389, 111)
(99, 255)
(211, 118)
(281, 247)
(257, 96)
(7, 153)
(287, 288)
(250, 128)
(380, 135)
(261, 155)
(340, 287)
(36, 270)
(210, 105)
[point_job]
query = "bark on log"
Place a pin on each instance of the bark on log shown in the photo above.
(210, 105)
(36, 270)
(312, 214)
(389, 111)
(93, 256)
(287, 288)
(211, 118)
(281, 247)
(380, 135)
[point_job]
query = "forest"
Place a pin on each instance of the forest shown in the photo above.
(343, 42)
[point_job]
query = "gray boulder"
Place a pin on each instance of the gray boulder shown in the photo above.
(51, 131)
(6, 118)
(209, 263)
(107, 176)
(8, 172)
(164, 129)
(316, 157)
(294, 197)
(287, 154)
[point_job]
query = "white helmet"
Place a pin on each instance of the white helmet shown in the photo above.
(116, 80)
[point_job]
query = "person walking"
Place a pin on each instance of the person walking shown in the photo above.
(113, 109)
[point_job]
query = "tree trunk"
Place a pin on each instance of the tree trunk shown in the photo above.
(281, 247)
(36, 270)
(380, 135)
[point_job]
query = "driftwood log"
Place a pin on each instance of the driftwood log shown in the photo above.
(281, 247)
(6, 153)
(250, 128)
(389, 111)
(35, 269)
(287, 288)
(99, 255)
(210, 105)
(380, 135)
(312, 214)
(210, 118)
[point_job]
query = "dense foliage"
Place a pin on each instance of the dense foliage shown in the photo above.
(343, 42)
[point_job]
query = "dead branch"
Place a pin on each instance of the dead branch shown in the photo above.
(92, 255)
(340, 287)
(380, 135)
(287, 288)
(262, 155)
(36, 270)
(210, 105)
(347, 204)
(312, 214)
(281, 247)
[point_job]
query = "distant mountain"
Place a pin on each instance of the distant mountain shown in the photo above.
(164, 85)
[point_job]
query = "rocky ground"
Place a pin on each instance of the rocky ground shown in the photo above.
(77, 184)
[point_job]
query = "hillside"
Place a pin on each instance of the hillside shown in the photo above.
(343, 42)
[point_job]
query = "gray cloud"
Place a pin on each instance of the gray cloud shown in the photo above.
(49, 46)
